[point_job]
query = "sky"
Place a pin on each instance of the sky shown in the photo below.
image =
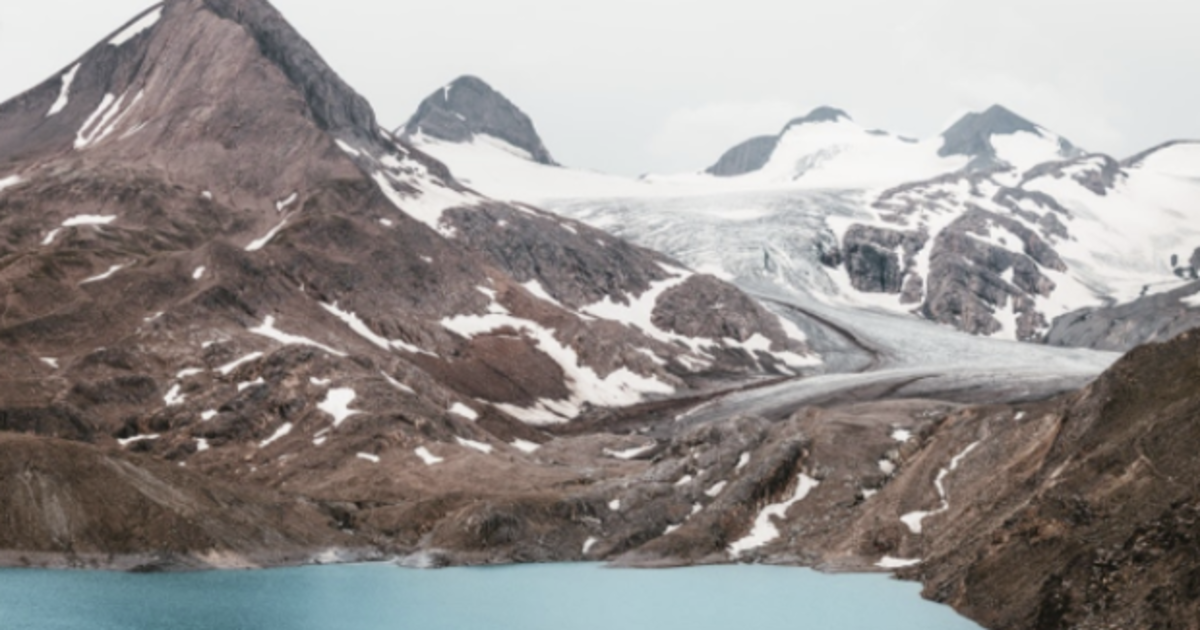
(636, 86)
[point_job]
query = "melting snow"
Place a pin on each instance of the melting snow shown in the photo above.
(902, 435)
(360, 327)
(397, 384)
(684, 480)
(620, 388)
(198, 273)
(135, 29)
(460, 409)
(228, 368)
(50, 236)
(526, 446)
(743, 461)
(630, 453)
(173, 397)
(280, 433)
(374, 459)
(479, 446)
(244, 386)
(716, 489)
(614, 505)
(208, 415)
(269, 331)
(427, 205)
(10, 181)
(202, 445)
(137, 438)
(262, 242)
(282, 204)
(886, 466)
(915, 520)
(337, 404)
(89, 219)
(104, 276)
(427, 457)
(889, 562)
(764, 530)
(64, 93)
(538, 291)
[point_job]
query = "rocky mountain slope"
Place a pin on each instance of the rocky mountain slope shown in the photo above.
(221, 260)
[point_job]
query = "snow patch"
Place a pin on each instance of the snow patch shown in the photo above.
(52, 362)
(588, 544)
(137, 438)
(258, 244)
(137, 28)
(743, 461)
(279, 434)
(360, 327)
(228, 368)
(536, 289)
(173, 398)
(50, 236)
(89, 219)
(244, 386)
(464, 411)
(525, 446)
(198, 273)
(64, 93)
(374, 459)
(478, 446)
(716, 489)
(915, 520)
(429, 458)
(764, 530)
(630, 453)
(208, 415)
(889, 562)
(902, 435)
(269, 331)
(283, 204)
(337, 404)
(104, 276)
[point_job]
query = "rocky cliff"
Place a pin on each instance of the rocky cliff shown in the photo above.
(468, 108)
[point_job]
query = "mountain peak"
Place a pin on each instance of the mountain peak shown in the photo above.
(819, 115)
(467, 107)
(971, 135)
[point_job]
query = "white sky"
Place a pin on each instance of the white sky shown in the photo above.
(632, 86)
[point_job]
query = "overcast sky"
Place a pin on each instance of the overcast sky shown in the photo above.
(634, 86)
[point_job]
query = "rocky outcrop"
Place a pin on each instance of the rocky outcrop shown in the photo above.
(972, 136)
(746, 157)
(1122, 327)
(469, 107)
(70, 504)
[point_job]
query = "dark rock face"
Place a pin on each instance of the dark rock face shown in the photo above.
(468, 107)
(1153, 318)
(746, 157)
(877, 258)
(971, 135)
(819, 115)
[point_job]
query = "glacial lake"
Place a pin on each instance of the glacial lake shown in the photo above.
(540, 597)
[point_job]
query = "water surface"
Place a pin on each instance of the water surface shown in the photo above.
(540, 597)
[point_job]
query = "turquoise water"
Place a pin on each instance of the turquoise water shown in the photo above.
(543, 597)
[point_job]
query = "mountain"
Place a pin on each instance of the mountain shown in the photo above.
(997, 136)
(469, 110)
(212, 255)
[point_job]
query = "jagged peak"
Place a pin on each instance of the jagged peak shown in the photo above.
(972, 135)
(468, 106)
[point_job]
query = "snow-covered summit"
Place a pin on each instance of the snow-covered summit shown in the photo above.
(999, 137)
